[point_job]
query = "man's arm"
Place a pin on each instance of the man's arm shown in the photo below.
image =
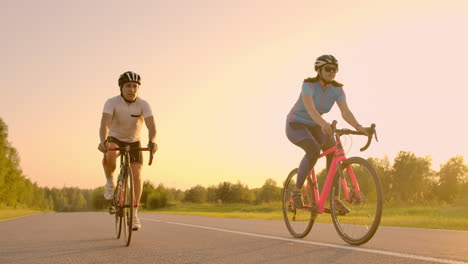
(104, 130)
(151, 125)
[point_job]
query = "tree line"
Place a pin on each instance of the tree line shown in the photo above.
(410, 179)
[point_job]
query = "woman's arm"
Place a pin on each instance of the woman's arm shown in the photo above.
(349, 117)
(309, 104)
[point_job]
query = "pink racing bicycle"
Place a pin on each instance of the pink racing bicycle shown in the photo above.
(353, 183)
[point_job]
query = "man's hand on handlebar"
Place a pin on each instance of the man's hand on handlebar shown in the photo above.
(153, 147)
(103, 146)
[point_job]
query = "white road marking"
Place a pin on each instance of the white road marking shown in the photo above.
(374, 251)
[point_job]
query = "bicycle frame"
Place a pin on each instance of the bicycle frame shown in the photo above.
(338, 157)
(124, 161)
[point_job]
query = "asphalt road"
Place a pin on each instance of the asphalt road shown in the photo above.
(89, 238)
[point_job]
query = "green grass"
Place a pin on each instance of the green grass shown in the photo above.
(438, 217)
(6, 213)
(442, 217)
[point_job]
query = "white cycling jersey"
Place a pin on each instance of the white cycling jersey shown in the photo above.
(127, 118)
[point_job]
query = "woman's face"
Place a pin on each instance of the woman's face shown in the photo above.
(328, 72)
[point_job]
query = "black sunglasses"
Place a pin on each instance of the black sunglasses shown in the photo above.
(329, 69)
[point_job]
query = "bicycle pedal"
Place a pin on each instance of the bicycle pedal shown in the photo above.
(111, 210)
(135, 229)
(326, 210)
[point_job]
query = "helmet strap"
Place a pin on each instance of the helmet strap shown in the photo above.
(128, 101)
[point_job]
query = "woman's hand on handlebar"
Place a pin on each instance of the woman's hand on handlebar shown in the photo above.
(327, 128)
(366, 130)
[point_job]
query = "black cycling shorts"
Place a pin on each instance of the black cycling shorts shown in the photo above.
(135, 155)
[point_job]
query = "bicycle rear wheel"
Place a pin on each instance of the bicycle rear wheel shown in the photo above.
(358, 225)
(127, 221)
(298, 221)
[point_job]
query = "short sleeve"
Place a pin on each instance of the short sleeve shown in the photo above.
(307, 88)
(147, 110)
(108, 107)
(341, 95)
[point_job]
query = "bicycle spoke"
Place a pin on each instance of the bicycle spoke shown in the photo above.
(356, 219)
(298, 221)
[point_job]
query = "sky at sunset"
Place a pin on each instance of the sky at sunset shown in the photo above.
(221, 76)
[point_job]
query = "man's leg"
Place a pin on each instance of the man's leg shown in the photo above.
(138, 186)
(109, 169)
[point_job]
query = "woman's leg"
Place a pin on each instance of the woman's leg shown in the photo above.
(312, 149)
(324, 140)
(300, 135)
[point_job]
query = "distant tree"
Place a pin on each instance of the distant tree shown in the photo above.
(15, 188)
(163, 191)
(211, 195)
(148, 188)
(224, 193)
(76, 199)
(98, 201)
(196, 194)
(453, 174)
(157, 198)
(154, 200)
(269, 192)
(241, 193)
(4, 162)
(175, 195)
(411, 177)
(384, 172)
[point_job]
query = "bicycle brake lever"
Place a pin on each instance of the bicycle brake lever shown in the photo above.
(375, 132)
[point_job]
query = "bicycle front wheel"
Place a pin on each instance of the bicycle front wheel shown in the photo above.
(298, 221)
(127, 223)
(118, 210)
(356, 204)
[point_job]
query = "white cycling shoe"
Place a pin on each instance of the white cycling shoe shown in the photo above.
(109, 191)
(136, 223)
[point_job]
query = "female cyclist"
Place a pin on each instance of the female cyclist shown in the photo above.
(305, 126)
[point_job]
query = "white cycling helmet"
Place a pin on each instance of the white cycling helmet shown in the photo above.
(325, 59)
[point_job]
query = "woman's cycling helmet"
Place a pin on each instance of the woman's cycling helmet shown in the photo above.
(325, 59)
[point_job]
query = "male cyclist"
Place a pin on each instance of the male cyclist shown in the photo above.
(121, 123)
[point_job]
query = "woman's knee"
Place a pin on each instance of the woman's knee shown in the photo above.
(311, 148)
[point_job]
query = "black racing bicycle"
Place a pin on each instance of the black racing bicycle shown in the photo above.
(124, 198)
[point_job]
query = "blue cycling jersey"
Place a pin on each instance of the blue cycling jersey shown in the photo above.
(324, 99)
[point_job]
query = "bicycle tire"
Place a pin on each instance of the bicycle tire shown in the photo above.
(128, 206)
(360, 224)
(118, 211)
(301, 227)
